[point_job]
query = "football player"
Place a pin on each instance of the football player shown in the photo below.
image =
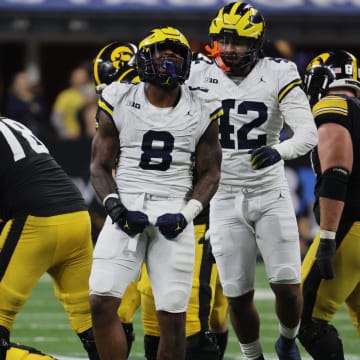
(201, 344)
(252, 210)
(330, 270)
(47, 230)
(154, 133)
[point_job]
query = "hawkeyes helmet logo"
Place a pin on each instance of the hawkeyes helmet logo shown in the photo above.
(114, 62)
(332, 69)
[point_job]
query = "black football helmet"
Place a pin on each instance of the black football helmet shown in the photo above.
(114, 62)
(165, 70)
(332, 69)
(238, 23)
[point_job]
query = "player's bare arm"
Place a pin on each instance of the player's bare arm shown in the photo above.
(208, 164)
(104, 153)
(335, 151)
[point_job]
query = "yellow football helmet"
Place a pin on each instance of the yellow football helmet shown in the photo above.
(241, 24)
(114, 62)
(332, 69)
(167, 70)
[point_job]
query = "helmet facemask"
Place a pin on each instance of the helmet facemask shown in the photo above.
(166, 63)
(316, 83)
(234, 54)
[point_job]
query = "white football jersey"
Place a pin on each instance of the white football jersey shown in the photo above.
(254, 115)
(157, 145)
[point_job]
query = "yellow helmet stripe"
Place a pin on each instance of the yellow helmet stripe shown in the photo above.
(287, 88)
(238, 19)
(163, 34)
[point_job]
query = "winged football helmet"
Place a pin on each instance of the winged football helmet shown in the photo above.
(114, 62)
(332, 69)
(238, 23)
(166, 70)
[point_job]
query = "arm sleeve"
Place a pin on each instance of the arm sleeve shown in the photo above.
(296, 113)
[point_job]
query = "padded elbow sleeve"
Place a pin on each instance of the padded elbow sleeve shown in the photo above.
(334, 184)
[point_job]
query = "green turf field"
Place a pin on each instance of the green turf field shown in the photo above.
(42, 324)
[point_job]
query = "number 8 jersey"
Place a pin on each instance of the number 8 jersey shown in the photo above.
(157, 145)
(255, 109)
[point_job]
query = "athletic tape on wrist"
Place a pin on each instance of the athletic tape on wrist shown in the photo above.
(327, 234)
(191, 210)
(112, 195)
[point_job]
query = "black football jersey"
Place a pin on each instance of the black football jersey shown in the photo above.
(31, 181)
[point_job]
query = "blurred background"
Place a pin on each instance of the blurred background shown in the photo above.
(48, 38)
(47, 48)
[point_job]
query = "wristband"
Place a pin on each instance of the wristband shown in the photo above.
(326, 234)
(112, 195)
(191, 210)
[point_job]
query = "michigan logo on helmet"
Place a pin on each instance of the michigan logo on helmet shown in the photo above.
(112, 64)
(237, 23)
(328, 70)
(164, 57)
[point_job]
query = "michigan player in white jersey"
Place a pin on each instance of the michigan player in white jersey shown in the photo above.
(252, 209)
(155, 133)
(207, 306)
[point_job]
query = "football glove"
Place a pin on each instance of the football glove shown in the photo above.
(263, 156)
(325, 258)
(171, 225)
(131, 222)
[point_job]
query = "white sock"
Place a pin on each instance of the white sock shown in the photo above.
(252, 350)
(289, 333)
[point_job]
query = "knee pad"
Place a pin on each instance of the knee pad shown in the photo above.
(202, 346)
(286, 275)
(88, 341)
(130, 336)
(151, 344)
(321, 340)
(173, 301)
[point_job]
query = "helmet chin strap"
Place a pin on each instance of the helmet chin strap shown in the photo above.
(214, 52)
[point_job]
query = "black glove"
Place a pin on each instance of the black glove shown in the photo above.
(131, 222)
(325, 258)
(263, 156)
(171, 225)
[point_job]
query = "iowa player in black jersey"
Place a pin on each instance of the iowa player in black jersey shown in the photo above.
(331, 268)
(47, 230)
